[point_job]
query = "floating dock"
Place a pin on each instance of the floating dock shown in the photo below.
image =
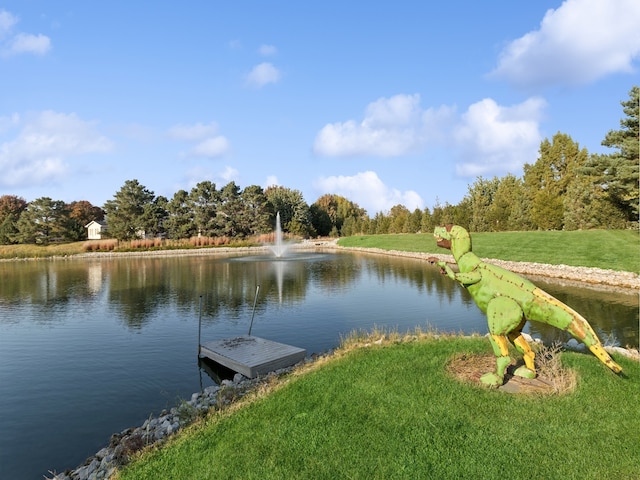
(252, 356)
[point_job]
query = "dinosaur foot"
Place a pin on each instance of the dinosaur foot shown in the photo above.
(524, 372)
(491, 379)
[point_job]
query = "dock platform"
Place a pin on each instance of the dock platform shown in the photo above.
(251, 356)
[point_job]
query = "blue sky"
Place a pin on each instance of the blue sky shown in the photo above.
(385, 103)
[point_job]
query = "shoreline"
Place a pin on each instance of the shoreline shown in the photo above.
(591, 277)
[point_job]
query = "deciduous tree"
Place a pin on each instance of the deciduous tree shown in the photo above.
(546, 182)
(295, 216)
(81, 213)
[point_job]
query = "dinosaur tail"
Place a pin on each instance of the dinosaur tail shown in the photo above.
(580, 329)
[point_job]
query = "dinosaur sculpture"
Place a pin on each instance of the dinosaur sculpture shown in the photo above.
(509, 301)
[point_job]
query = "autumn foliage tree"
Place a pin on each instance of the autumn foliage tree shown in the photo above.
(81, 213)
(11, 207)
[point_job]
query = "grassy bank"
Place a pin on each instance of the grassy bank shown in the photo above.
(393, 411)
(610, 249)
(8, 252)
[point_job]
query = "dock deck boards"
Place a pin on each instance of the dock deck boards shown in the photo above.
(251, 356)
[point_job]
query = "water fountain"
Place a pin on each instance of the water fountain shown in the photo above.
(278, 248)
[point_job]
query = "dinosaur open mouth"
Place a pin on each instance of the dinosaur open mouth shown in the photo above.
(443, 242)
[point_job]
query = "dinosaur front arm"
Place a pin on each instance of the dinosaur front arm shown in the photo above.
(466, 278)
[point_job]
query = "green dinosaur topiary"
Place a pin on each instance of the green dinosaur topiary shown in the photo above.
(509, 301)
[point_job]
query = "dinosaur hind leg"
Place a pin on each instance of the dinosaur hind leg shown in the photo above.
(528, 370)
(504, 316)
(501, 351)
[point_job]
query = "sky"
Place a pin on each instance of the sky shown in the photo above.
(384, 103)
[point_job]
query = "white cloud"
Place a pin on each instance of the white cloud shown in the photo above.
(21, 42)
(262, 75)
(267, 50)
(27, 43)
(488, 137)
(7, 123)
(497, 138)
(7, 21)
(211, 147)
(271, 181)
(209, 143)
(577, 43)
(368, 191)
(391, 127)
(41, 151)
(193, 132)
(229, 174)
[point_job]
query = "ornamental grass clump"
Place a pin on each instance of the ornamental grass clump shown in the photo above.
(549, 368)
(106, 245)
(209, 241)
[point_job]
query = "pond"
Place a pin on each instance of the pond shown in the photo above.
(89, 347)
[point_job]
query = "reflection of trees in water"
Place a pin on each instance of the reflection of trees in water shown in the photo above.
(44, 283)
(420, 275)
(614, 317)
(139, 287)
(612, 322)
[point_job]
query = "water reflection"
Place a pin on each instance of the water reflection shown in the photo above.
(136, 289)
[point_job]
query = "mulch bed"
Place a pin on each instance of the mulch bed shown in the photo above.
(469, 368)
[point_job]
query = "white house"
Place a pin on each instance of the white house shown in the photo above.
(95, 230)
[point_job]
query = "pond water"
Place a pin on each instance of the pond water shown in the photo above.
(89, 347)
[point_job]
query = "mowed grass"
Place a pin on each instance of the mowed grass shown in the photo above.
(609, 249)
(41, 251)
(393, 412)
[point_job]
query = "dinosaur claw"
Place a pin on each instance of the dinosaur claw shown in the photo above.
(525, 372)
(491, 379)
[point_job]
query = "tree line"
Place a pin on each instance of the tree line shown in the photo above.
(566, 188)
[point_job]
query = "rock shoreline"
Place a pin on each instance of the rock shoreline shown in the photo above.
(155, 430)
(590, 276)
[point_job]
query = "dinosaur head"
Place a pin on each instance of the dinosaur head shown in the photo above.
(454, 238)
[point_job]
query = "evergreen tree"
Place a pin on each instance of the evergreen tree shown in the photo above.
(180, 222)
(618, 173)
(43, 221)
(129, 215)
(256, 214)
(205, 200)
(229, 214)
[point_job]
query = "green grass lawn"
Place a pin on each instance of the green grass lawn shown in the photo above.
(610, 249)
(393, 412)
